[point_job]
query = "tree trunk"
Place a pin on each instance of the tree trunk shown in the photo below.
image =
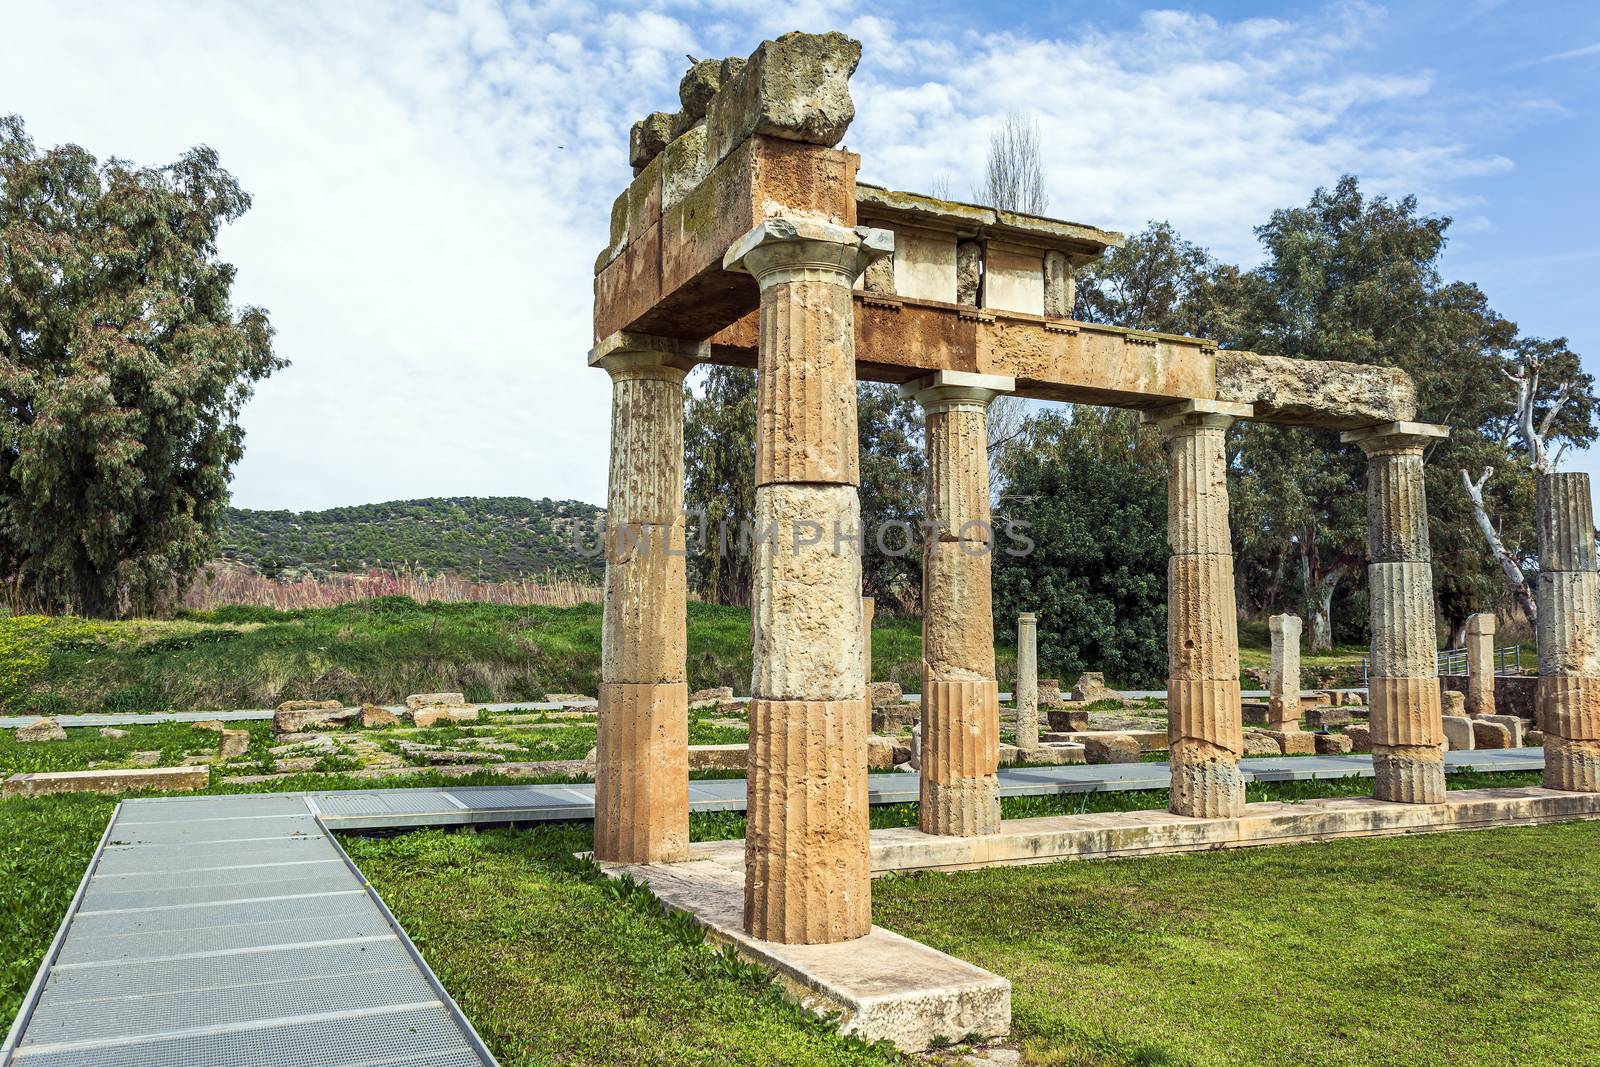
(1319, 587)
(1511, 568)
(1458, 634)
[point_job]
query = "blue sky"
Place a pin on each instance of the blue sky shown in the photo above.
(433, 181)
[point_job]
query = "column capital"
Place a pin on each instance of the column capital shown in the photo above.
(1394, 436)
(779, 246)
(1188, 415)
(626, 354)
(1027, 616)
(955, 390)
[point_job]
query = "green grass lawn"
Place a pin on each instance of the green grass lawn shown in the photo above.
(378, 650)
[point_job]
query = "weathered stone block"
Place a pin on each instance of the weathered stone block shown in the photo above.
(1013, 278)
(372, 716)
(1294, 742)
(1322, 718)
(648, 137)
(887, 753)
(46, 729)
(1513, 725)
(718, 757)
(165, 779)
(1458, 733)
(1260, 743)
(1323, 393)
(1333, 744)
(796, 87)
(288, 720)
(1487, 734)
(1067, 720)
(701, 699)
(434, 714)
(886, 695)
(1360, 737)
(1091, 687)
(1110, 748)
(232, 744)
(422, 700)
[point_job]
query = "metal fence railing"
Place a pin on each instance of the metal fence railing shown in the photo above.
(1507, 660)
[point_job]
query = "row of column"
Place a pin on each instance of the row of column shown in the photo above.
(807, 871)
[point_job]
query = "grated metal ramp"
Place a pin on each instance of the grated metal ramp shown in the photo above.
(232, 930)
(485, 805)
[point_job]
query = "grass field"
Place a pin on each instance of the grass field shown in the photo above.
(1449, 949)
(377, 650)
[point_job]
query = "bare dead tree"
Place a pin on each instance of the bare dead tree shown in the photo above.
(1508, 563)
(940, 188)
(1007, 416)
(1014, 178)
(1535, 433)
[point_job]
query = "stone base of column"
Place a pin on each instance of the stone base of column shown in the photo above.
(1571, 765)
(960, 791)
(1408, 774)
(808, 879)
(1206, 782)
(641, 809)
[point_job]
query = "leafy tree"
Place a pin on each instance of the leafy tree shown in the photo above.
(893, 471)
(719, 440)
(1091, 485)
(123, 369)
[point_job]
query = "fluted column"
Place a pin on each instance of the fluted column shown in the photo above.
(642, 749)
(1480, 664)
(1283, 683)
(1403, 682)
(960, 784)
(1569, 633)
(1205, 727)
(1027, 694)
(807, 870)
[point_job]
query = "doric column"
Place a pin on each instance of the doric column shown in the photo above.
(1205, 728)
(807, 871)
(960, 786)
(1480, 664)
(1569, 633)
(1403, 682)
(1283, 682)
(1027, 694)
(868, 610)
(642, 757)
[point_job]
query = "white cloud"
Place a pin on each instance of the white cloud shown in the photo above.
(431, 186)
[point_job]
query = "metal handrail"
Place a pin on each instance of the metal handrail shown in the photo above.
(1507, 660)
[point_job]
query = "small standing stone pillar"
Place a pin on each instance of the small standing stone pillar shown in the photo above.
(807, 871)
(1027, 694)
(1205, 727)
(868, 610)
(1569, 633)
(642, 749)
(1283, 681)
(960, 784)
(1480, 664)
(1403, 683)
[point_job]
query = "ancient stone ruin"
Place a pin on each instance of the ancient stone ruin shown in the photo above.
(745, 239)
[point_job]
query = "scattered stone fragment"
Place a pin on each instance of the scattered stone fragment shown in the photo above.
(1332, 744)
(1045, 754)
(46, 729)
(298, 763)
(1458, 733)
(319, 744)
(288, 720)
(1360, 737)
(1534, 738)
(233, 744)
(648, 137)
(1514, 726)
(721, 757)
(112, 732)
(1486, 734)
(1091, 687)
(198, 760)
(1294, 742)
(1259, 743)
(210, 724)
(549, 698)
(887, 695)
(145, 759)
(796, 87)
(1066, 720)
(434, 714)
(422, 700)
(885, 753)
(1322, 718)
(310, 705)
(732, 707)
(1110, 748)
(373, 716)
(1453, 703)
(702, 699)
(169, 779)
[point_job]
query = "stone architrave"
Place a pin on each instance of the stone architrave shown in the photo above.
(1403, 686)
(641, 752)
(1569, 633)
(1480, 664)
(1027, 694)
(807, 870)
(960, 784)
(1205, 728)
(1283, 681)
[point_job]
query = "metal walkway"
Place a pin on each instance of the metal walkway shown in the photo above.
(393, 809)
(232, 930)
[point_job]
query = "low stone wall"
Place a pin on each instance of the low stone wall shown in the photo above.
(1513, 693)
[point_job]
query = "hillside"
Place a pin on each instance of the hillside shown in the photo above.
(483, 538)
